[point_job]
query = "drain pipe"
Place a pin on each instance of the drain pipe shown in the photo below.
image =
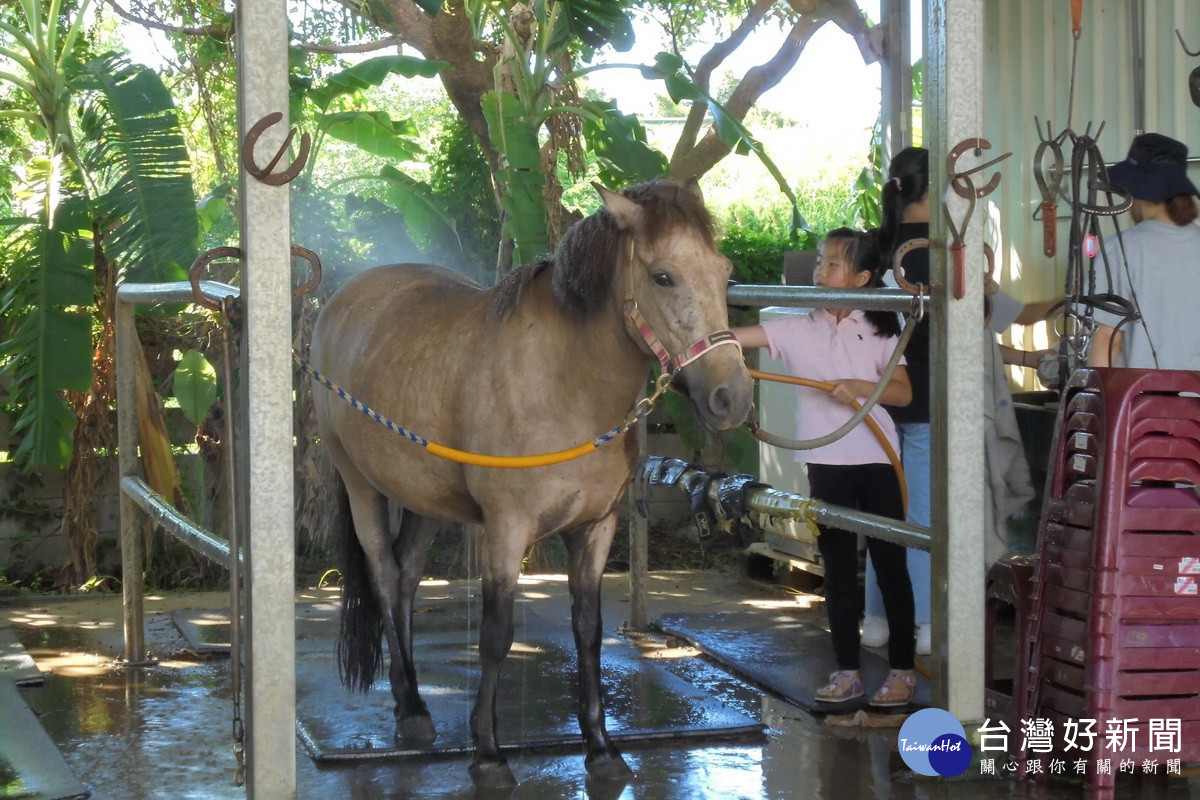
(1139, 67)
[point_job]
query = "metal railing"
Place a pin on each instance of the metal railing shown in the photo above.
(136, 495)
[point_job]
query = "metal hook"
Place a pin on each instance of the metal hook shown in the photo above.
(958, 248)
(201, 264)
(977, 144)
(265, 174)
(1184, 44)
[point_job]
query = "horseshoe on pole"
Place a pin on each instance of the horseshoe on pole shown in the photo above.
(266, 174)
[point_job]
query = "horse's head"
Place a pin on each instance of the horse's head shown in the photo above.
(674, 280)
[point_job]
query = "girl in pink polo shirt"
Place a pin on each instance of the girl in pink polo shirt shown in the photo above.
(850, 348)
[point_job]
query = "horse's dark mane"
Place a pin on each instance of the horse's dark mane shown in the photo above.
(585, 260)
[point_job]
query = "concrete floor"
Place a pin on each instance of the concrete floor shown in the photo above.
(163, 733)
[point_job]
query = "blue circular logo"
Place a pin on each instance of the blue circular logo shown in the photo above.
(933, 742)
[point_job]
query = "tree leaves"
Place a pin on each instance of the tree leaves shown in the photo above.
(372, 72)
(619, 142)
(137, 150)
(593, 22)
(375, 132)
(195, 385)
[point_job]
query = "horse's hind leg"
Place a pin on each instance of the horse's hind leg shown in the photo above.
(395, 606)
(587, 549)
(413, 723)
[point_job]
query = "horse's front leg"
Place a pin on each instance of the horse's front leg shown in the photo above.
(588, 550)
(501, 550)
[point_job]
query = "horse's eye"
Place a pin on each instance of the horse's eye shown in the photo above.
(663, 279)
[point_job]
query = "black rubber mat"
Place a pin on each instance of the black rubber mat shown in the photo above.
(207, 631)
(536, 702)
(31, 767)
(783, 655)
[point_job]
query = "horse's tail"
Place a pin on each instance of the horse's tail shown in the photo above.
(359, 647)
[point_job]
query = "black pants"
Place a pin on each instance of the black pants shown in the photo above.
(872, 488)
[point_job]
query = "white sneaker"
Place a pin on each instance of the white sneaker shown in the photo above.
(924, 639)
(874, 631)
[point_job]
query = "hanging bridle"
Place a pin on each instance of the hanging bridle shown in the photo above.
(670, 364)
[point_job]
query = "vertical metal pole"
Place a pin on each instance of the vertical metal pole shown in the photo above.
(896, 78)
(954, 90)
(639, 549)
(127, 463)
(1138, 54)
(266, 413)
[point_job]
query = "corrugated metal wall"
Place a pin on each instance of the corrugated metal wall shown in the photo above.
(1028, 69)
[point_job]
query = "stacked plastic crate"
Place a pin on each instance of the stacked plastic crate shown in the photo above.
(1115, 633)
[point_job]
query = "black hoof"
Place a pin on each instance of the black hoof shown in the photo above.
(608, 767)
(416, 731)
(492, 775)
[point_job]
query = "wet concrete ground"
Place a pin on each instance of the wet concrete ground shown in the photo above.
(163, 733)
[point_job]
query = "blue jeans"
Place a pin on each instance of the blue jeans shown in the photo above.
(914, 454)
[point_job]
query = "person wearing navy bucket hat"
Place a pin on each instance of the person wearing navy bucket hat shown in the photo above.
(1156, 265)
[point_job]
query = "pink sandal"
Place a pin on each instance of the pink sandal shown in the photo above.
(897, 690)
(845, 684)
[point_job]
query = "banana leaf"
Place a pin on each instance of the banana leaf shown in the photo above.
(372, 72)
(136, 145)
(158, 463)
(595, 23)
(375, 132)
(195, 385)
(619, 143)
(524, 206)
(415, 202)
(46, 346)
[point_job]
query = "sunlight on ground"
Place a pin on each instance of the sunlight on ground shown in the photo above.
(33, 619)
(71, 664)
(672, 652)
(534, 580)
(800, 601)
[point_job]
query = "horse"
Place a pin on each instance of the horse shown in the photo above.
(557, 352)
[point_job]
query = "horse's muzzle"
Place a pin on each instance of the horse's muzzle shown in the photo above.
(721, 395)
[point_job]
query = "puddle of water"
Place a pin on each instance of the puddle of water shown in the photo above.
(164, 734)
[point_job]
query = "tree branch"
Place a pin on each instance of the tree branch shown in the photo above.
(710, 61)
(360, 47)
(701, 156)
(204, 30)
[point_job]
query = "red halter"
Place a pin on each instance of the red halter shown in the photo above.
(670, 364)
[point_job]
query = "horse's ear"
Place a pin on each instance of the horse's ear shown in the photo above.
(693, 185)
(627, 213)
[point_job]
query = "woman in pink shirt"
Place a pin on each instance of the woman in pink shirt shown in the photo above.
(850, 348)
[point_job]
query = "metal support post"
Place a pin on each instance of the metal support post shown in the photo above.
(266, 509)
(896, 78)
(129, 466)
(639, 550)
(954, 48)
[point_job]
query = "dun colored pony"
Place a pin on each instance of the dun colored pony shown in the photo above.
(553, 356)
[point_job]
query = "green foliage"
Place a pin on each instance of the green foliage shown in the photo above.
(618, 141)
(594, 23)
(516, 131)
(195, 385)
(415, 202)
(461, 184)
(46, 344)
(136, 151)
(374, 132)
(368, 73)
(757, 255)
